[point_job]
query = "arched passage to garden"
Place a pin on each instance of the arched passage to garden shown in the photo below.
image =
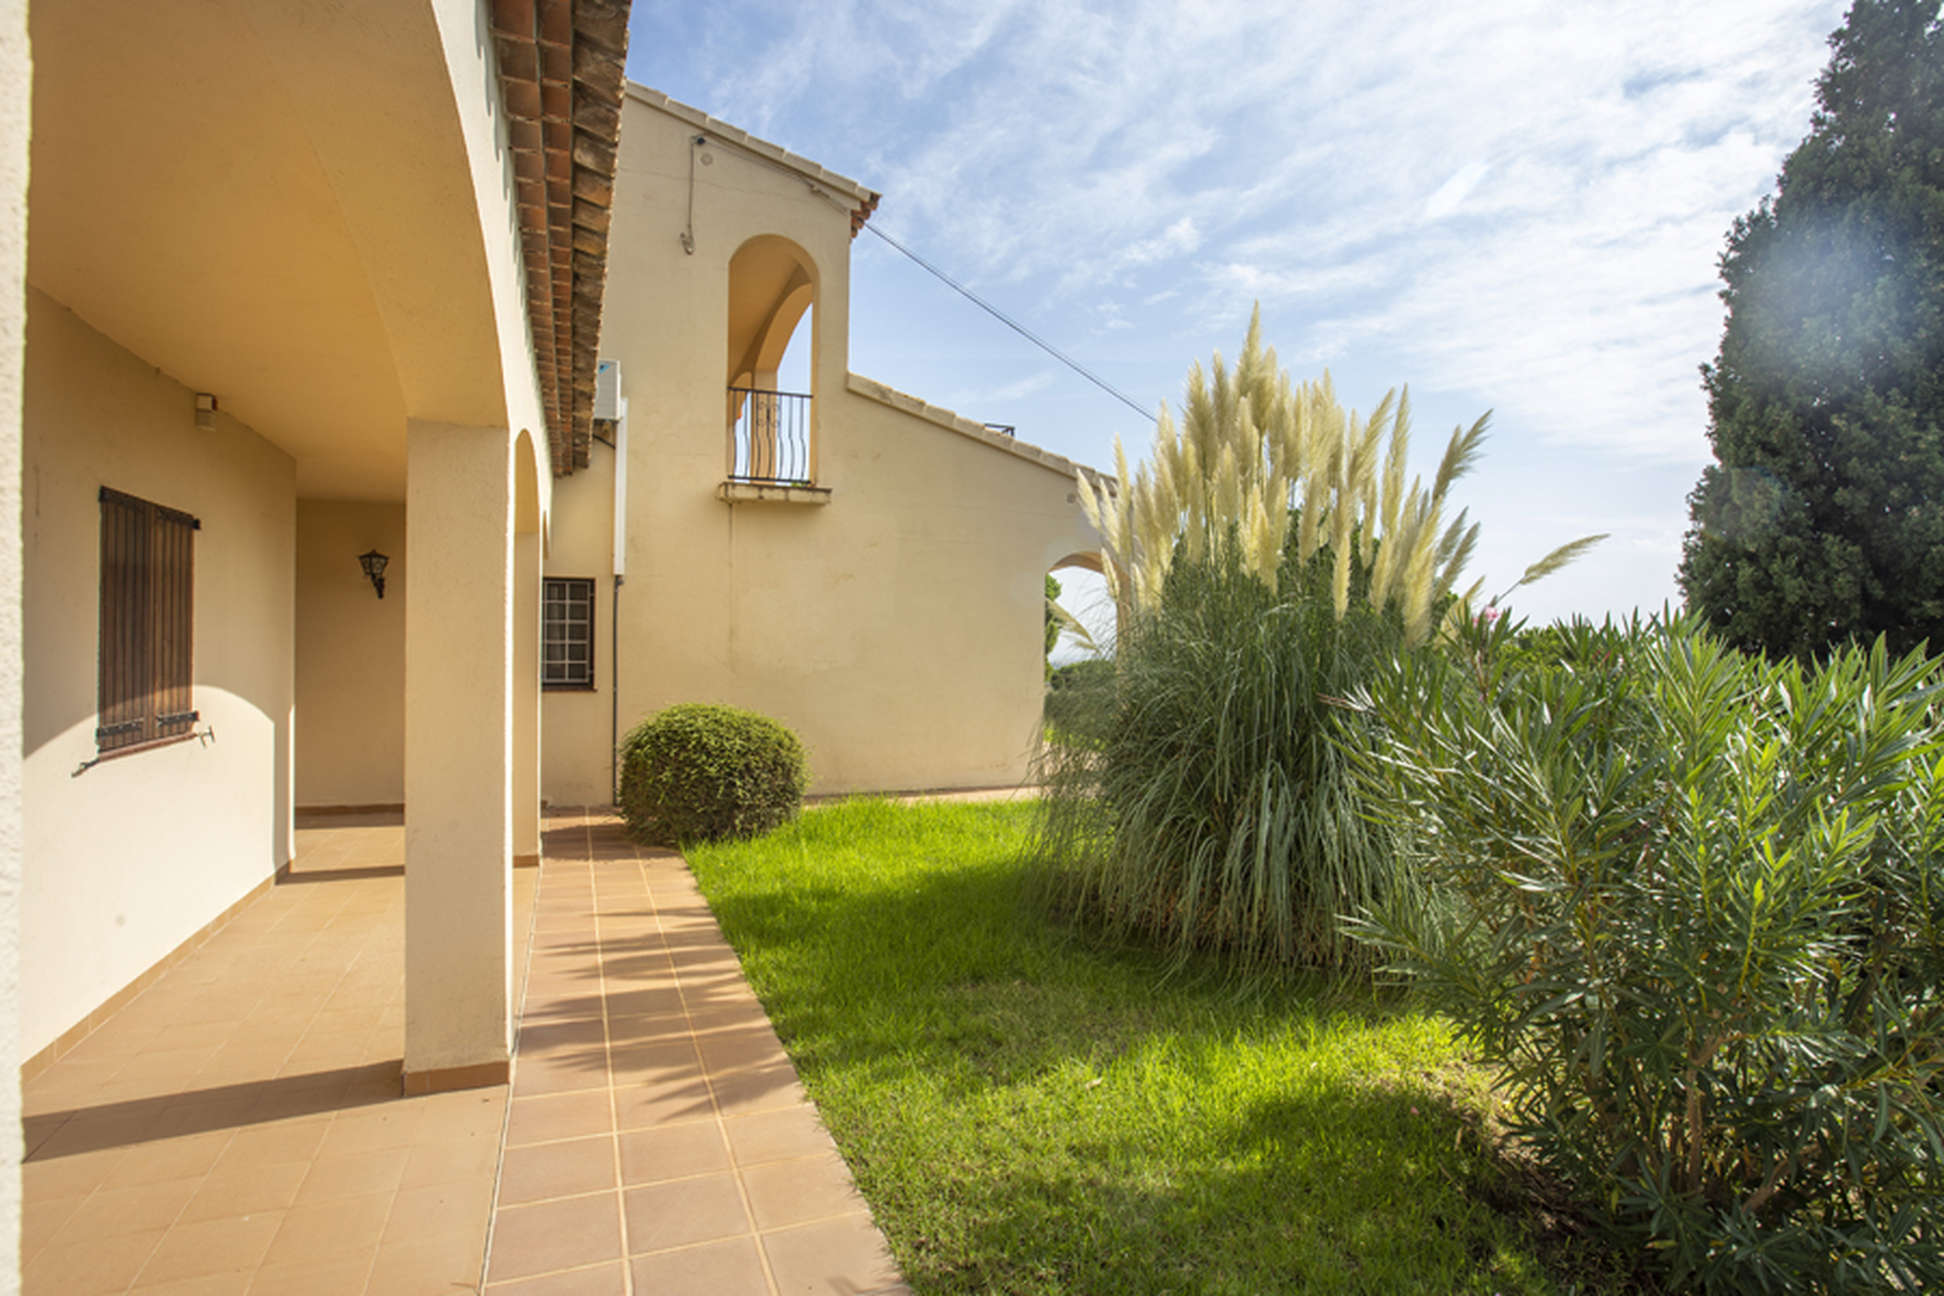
(1080, 625)
(1083, 596)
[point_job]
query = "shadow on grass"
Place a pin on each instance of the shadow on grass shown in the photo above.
(849, 974)
(1030, 1111)
(1268, 1206)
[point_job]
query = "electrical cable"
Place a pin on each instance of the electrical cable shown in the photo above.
(1016, 326)
(940, 275)
(688, 231)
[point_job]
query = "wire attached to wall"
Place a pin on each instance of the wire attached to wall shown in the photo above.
(688, 231)
(688, 245)
(1016, 326)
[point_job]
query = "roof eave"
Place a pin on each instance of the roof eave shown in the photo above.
(863, 201)
(561, 78)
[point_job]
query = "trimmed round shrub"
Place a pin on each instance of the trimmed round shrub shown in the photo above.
(702, 772)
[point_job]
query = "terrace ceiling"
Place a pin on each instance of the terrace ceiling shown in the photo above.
(217, 185)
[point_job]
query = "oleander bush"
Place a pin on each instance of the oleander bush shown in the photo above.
(702, 772)
(1691, 904)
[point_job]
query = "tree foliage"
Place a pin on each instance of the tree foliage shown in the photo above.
(1823, 518)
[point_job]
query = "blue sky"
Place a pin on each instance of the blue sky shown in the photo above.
(1512, 206)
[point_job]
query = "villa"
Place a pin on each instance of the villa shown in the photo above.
(399, 420)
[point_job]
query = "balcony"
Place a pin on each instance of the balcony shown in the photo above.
(770, 448)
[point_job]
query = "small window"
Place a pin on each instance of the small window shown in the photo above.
(567, 636)
(147, 629)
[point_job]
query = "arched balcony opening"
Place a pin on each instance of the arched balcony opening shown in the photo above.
(772, 350)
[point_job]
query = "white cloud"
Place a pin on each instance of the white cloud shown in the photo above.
(1453, 192)
(1517, 205)
(1023, 388)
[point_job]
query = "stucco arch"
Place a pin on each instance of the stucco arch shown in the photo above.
(529, 504)
(772, 282)
(1084, 599)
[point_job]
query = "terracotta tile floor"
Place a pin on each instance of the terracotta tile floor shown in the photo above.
(238, 1127)
(658, 1140)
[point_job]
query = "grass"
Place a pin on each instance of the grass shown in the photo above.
(1029, 1113)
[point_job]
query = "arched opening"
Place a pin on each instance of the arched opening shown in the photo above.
(529, 649)
(526, 486)
(1080, 627)
(772, 350)
(1081, 607)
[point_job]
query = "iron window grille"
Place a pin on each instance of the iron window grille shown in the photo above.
(567, 633)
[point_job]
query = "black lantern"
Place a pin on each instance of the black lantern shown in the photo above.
(374, 567)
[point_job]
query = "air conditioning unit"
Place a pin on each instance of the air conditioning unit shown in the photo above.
(607, 390)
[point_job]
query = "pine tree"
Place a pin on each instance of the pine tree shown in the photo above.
(1823, 518)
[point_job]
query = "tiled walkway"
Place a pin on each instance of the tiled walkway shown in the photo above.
(658, 1134)
(237, 1127)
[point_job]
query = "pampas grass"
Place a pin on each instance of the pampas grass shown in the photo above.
(1215, 811)
(1267, 557)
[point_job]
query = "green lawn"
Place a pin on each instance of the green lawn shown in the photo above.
(1027, 1113)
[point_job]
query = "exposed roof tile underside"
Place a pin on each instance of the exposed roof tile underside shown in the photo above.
(560, 64)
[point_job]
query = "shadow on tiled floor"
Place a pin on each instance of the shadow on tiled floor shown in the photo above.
(658, 1135)
(237, 1127)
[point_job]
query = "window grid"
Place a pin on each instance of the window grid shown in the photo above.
(567, 633)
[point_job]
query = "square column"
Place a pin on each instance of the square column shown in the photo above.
(458, 756)
(526, 697)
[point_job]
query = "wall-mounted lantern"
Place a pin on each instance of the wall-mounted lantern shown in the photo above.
(373, 563)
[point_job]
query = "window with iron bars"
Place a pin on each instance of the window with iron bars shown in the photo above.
(567, 633)
(146, 658)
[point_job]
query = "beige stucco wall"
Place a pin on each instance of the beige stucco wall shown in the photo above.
(575, 756)
(14, 76)
(350, 655)
(130, 858)
(897, 628)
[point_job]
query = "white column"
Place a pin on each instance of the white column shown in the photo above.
(458, 756)
(526, 697)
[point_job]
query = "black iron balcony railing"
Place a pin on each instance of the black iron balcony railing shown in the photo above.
(771, 436)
